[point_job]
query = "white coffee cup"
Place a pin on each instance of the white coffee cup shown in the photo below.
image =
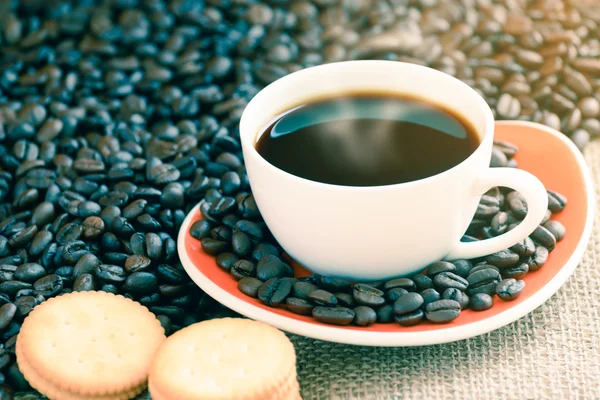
(378, 232)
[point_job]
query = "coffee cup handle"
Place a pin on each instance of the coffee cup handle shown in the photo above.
(537, 203)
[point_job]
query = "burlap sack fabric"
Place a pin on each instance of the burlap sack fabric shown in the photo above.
(552, 353)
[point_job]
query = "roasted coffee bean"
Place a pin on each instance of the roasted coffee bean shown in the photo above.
(364, 316)
(422, 282)
(483, 281)
(73, 251)
(251, 229)
(404, 283)
(272, 267)
(367, 295)
(200, 229)
(445, 280)
(84, 283)
(557, 229)
(411, 318)
(264, 249)
(499, 223)
(524, 248)
(241, 244)
(93, 227)
(226, 260)
(463, 267)
(23, 237)
(7, 313)
(482, 266)
(517, 204)
(439, 267)
(333, 316)
(345, 299)
(458, 296)
(212, 246)
(249, 286)
(544, 237)
(87, 264)
(24, 305)
(323, 298)
(510, 289)
(12, 287)
(488, 207)
(429, 296)
(503, 258)
(48, 286)
(481, 302)
(302, 289)
(517, 272)
(110, 273)
(332, 283)
(407, 303)
(29, 272)
(274, 291)
(140, 283)
(394, 294)
(221, 233)
(298, 306)
(556, 201)
(442, 311)
(243, 268)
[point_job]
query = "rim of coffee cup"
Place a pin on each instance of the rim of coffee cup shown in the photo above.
(248, 137)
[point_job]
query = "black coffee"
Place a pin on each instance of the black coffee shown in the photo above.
(367, 140)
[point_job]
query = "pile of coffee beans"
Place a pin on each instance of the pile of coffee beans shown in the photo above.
(118, 116)
(246, 249)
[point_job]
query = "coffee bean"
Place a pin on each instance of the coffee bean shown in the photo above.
(556, 229)
(394, 294)
(23, 237)
(509, 289)
(488, 207)
(404, 283)
(407, 303)
(334, 316)
(442, 311)
(483, 281)
(503, 258)
(241, 244)
(556, 201)
(274, 291)
(524, 248)
(544, 237)
(242, 269)
(439, 267)
(429, 296)
(249, 286)
(517, 272)
(517, 204)
(445, 280)
(385, 313)
(367, 295)
(29, 272)
(212, 246)
(226, 260)
(463, 267)
(272, 267)
(7, 313)
(49, 285)
(411, 318)
(302, 289)
(298, 306)
(323, 298)
(87, 264)
(141, 283)
(458, 296)
(499, 223)
(84, 283)
(481, 302)
(110, 273)
(364, 316)
(333, 284)
(344, 299)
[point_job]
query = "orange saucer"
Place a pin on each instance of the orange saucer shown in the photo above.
(546, 153)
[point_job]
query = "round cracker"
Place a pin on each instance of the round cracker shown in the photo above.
(91, 343)
(52, 392)
(229, 358)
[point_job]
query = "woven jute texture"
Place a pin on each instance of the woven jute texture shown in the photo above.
(552, 353)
